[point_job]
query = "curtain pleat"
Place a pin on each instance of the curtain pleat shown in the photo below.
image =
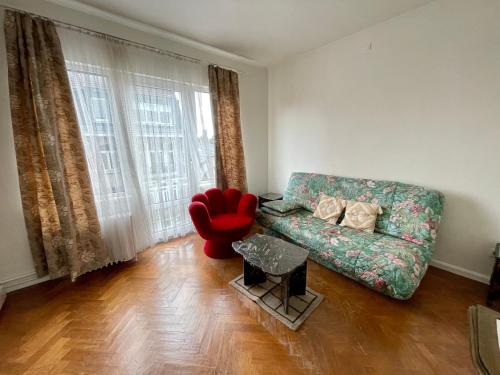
(229, 156)
(59, 209)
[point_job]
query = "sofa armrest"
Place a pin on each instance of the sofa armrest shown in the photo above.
(201, 219)
(247, 205)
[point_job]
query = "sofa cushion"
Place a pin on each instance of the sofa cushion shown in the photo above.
(390, 265)
(416, 213)
(305, 189)
(318, 235)
(270, 211)
(409, 212)
(281, 206)
(393, 266)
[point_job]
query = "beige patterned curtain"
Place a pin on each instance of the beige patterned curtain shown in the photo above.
(229, 157)
(59, 209)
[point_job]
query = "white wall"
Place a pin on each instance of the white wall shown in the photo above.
(421, 106)
(16, 267)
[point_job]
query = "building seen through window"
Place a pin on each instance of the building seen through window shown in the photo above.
(159, 140)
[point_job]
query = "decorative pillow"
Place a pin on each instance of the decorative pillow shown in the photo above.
(281, 206)
(329, 208)
(360, 215)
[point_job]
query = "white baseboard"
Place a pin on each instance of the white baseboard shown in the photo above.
(22, 281)
(485, 279)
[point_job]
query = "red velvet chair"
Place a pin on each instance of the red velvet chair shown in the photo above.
(221, 218)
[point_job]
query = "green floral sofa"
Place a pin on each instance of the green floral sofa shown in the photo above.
(393, 259)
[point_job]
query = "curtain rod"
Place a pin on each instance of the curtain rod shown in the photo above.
(107, 36)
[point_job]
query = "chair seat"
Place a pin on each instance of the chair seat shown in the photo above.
(230, 222)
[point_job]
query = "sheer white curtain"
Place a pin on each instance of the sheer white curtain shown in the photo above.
(147, 129)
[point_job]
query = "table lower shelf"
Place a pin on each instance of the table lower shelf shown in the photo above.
(292, 284)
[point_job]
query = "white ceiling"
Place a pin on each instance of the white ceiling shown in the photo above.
(266, 31)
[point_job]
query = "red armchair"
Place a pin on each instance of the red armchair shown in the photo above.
(221, 218)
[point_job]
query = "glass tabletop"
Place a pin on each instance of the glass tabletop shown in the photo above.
(272, 255)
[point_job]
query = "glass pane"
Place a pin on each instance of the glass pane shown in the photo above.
(166, 158)
(93, 103)
(205, 134)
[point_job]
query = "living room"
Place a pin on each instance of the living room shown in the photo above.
(348, 154)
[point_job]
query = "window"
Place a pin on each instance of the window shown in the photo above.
(159, 121)
(161, 142)
(205, 138)
(99, 105)
(157, 108)
(95, 116)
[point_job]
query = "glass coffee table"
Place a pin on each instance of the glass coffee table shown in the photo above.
(265, 255)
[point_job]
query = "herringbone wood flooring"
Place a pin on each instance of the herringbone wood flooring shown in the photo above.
(172, 312)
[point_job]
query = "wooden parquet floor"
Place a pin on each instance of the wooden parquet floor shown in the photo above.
(172, 312)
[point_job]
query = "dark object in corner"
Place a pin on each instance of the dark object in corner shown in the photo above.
(494, 290)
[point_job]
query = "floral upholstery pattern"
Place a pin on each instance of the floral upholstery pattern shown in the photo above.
(392, 260)
(276, 213)
(281, 205)
(305, 188)
(416, 214)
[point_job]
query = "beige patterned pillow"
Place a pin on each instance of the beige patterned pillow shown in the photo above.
(360, 215)
(329, 209)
